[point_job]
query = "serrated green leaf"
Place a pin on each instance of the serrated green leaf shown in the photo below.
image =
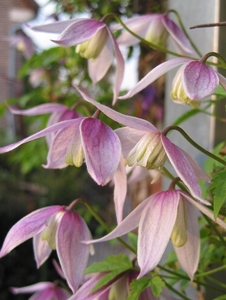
(137, 287)
(157, 284)
(111, 263)
(218, 186)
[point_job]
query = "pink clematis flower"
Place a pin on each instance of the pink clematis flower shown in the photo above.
(43, 290)
(95, 42)
(143, 144)
(193, 82)
(54, 227)
(22, 43)
(165, 215)
(155, 28)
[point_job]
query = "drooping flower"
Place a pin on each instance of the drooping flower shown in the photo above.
(22, 43)
(143, 144)
(95, 42)
(155, 28)
(193, 82)
(43, 290)
(158, 219)
(54, 227)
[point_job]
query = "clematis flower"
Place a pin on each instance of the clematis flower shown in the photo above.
(193, 82)
(158, 218)
(54, 227)
(143, 144)
(95, 42)
(154, 28)
(22, 43)
(43, 290)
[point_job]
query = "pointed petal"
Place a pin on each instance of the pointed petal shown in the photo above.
(59, 146)
(99, 66)
(129, 121)
(73, 255)
(27, 227)
(38, 135)
(120, 189)
(79, 32)
(178, 35)
(102, 149)
(155, 228)
(38, 110)
(41, 249)
(204, 210)
(31, 288)
(199, 80)
(120, 66)
(55, 27)
(188, 255)
(183, 168)
(154, 74)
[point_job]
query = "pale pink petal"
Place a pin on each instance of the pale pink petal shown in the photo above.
(79, 32)
(178, 35)
(120, 65)
(60, 144)
(73, 255)
(98, 67)
(188, 255)
(155, 74)
(31, 288)
(183, 168)
(61, 294)
(38, 110)
(27, 227)
(41, 249)
(126, 120)
(155, 228)
(120, 189)
(102, 149)
(58, 268)
(56, 27)
(38, 135)
(199, 80)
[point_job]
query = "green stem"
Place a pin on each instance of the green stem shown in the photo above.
(211, 271)
(223, 285)
(185, 32)
(193, 143)
(104, 225)
(175, 291)
(215, 230)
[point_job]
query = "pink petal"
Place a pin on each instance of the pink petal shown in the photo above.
(178, 35)
(31, 288)
(27, 227)
(39, 134)
(183, 168)
(60, 144)
(38, 110)
(129, 121)
(155, 74)
(73, 255)
(199, 80)
(120, 189)
(102, 149)
(55, 27)
(41, 249)
(79, 32)
(188, 255)
(155, 228)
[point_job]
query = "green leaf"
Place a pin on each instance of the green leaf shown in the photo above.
(157, 284)
(218, 186)
(186, 116)
(220, 91)
(133, 240)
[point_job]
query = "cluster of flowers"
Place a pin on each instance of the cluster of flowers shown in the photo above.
(73, 139)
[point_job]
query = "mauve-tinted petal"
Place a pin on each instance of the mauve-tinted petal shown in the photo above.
(178, 35)
(155, 228)
(199, 80)
(79, 32)
(183, 168)
(73, 255)
(42, 133)
(31, 288)
(61, 294)
(55, 27)
(102, 149)
(120, 189)
(27, 227)
(60, 144)
(41, 249)
(188, 255)
(126, 120)
(98, 67)
(38, 110)
(154, 74)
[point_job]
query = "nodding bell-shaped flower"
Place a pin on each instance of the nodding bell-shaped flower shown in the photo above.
(94, 41)
(54, 227)
(155, 28)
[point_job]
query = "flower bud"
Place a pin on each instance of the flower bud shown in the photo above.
(156, 32)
